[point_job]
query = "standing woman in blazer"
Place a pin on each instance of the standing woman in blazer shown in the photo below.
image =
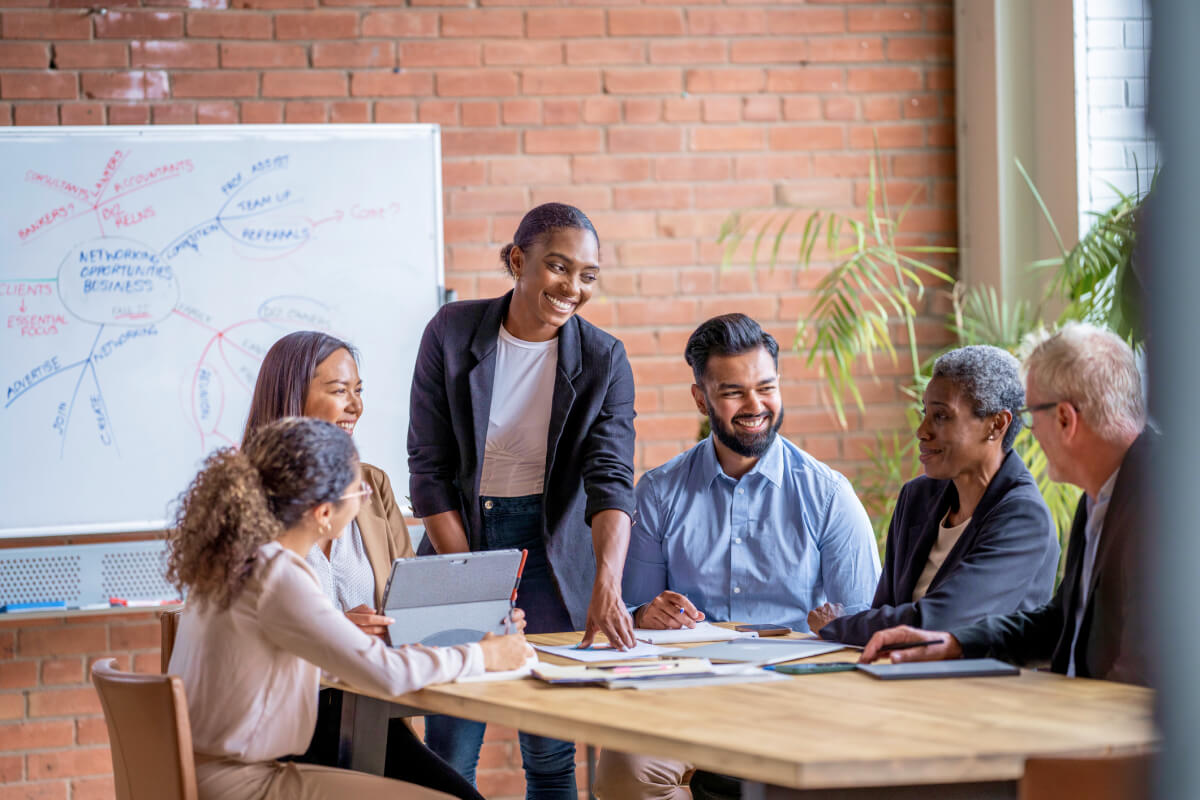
(521, 436)
(313, 374)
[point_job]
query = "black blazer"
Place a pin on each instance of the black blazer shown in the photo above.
(589, 453)
(1005, 560)
(1112, 640)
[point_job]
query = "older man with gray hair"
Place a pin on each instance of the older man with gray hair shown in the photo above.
(1085, 407)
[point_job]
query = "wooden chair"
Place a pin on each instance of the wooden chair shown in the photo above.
(1104, 778)
(170, 624)
(148, 732)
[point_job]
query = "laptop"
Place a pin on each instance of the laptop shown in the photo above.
(451, 599)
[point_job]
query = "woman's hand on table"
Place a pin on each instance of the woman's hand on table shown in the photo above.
(820, 617)
(516, 621)
(502, 653)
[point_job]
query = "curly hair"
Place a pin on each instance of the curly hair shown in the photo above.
(240, 500)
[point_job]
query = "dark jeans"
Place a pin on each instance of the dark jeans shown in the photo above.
(407, 758)
(516, 522)
(711, 786)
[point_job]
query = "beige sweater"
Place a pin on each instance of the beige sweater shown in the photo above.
(252, 672)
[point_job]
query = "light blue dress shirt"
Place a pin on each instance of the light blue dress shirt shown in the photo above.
(788, 536)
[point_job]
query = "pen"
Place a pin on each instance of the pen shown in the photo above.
(887, 648)
(512, 601)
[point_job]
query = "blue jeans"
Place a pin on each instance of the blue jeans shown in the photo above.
(516, 522)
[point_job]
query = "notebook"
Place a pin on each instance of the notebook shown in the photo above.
(763, 651)
(957, 668)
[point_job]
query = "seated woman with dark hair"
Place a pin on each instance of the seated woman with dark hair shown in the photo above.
(258, 631)
(973, 536)
(313, 374)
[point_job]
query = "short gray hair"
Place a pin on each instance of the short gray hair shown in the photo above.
(1095, 371)
(990, 380)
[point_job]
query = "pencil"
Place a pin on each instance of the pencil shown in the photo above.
(887, 648)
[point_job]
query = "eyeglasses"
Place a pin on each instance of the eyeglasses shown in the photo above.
(364, 491)
(1026, 412)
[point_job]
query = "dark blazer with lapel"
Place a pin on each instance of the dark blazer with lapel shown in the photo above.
(589, 452)
(1005, 560)
(1112, 642)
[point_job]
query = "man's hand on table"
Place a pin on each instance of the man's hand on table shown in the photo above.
(949, 648)
(670, 610)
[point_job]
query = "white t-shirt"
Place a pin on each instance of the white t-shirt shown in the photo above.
(947, 538)
(514, 458)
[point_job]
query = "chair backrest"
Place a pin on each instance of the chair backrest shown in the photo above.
(1103, 778)
(149, 733)
(169, 622)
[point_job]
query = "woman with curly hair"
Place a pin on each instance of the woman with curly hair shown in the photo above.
(257, 630)
(313, 374)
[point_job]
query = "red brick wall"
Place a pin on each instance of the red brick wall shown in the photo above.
(53, 741)
(656, 119)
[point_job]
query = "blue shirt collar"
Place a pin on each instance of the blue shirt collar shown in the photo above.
(770, 464)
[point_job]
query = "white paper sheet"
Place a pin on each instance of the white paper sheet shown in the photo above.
(523, 671)
(703, 632)
(604, 652)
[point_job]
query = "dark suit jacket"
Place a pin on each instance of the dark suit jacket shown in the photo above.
(1112, 642)
(589, 453)
(1005, 560)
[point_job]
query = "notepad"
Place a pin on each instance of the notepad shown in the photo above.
(764, 651)
(584, 675)
(703, 632)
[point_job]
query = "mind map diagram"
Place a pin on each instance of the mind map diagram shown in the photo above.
(118, 276)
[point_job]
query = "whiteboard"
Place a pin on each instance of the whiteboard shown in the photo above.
(146, 271)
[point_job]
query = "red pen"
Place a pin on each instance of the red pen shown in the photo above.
(512, 602)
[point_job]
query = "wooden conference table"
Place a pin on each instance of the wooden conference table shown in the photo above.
(835, 735)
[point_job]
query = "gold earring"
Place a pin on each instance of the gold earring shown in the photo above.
(325, 527)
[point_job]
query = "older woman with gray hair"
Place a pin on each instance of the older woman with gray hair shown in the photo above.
(972, 536)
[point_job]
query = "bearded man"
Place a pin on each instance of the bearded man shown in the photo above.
(744, 526)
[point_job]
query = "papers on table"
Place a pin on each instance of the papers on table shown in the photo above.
(523, 671)
(703, 632)
(764, 651)
(605, 652)
(674, 674)
(581, 674)
(721, 674)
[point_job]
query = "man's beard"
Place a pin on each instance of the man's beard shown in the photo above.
(748, 445)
